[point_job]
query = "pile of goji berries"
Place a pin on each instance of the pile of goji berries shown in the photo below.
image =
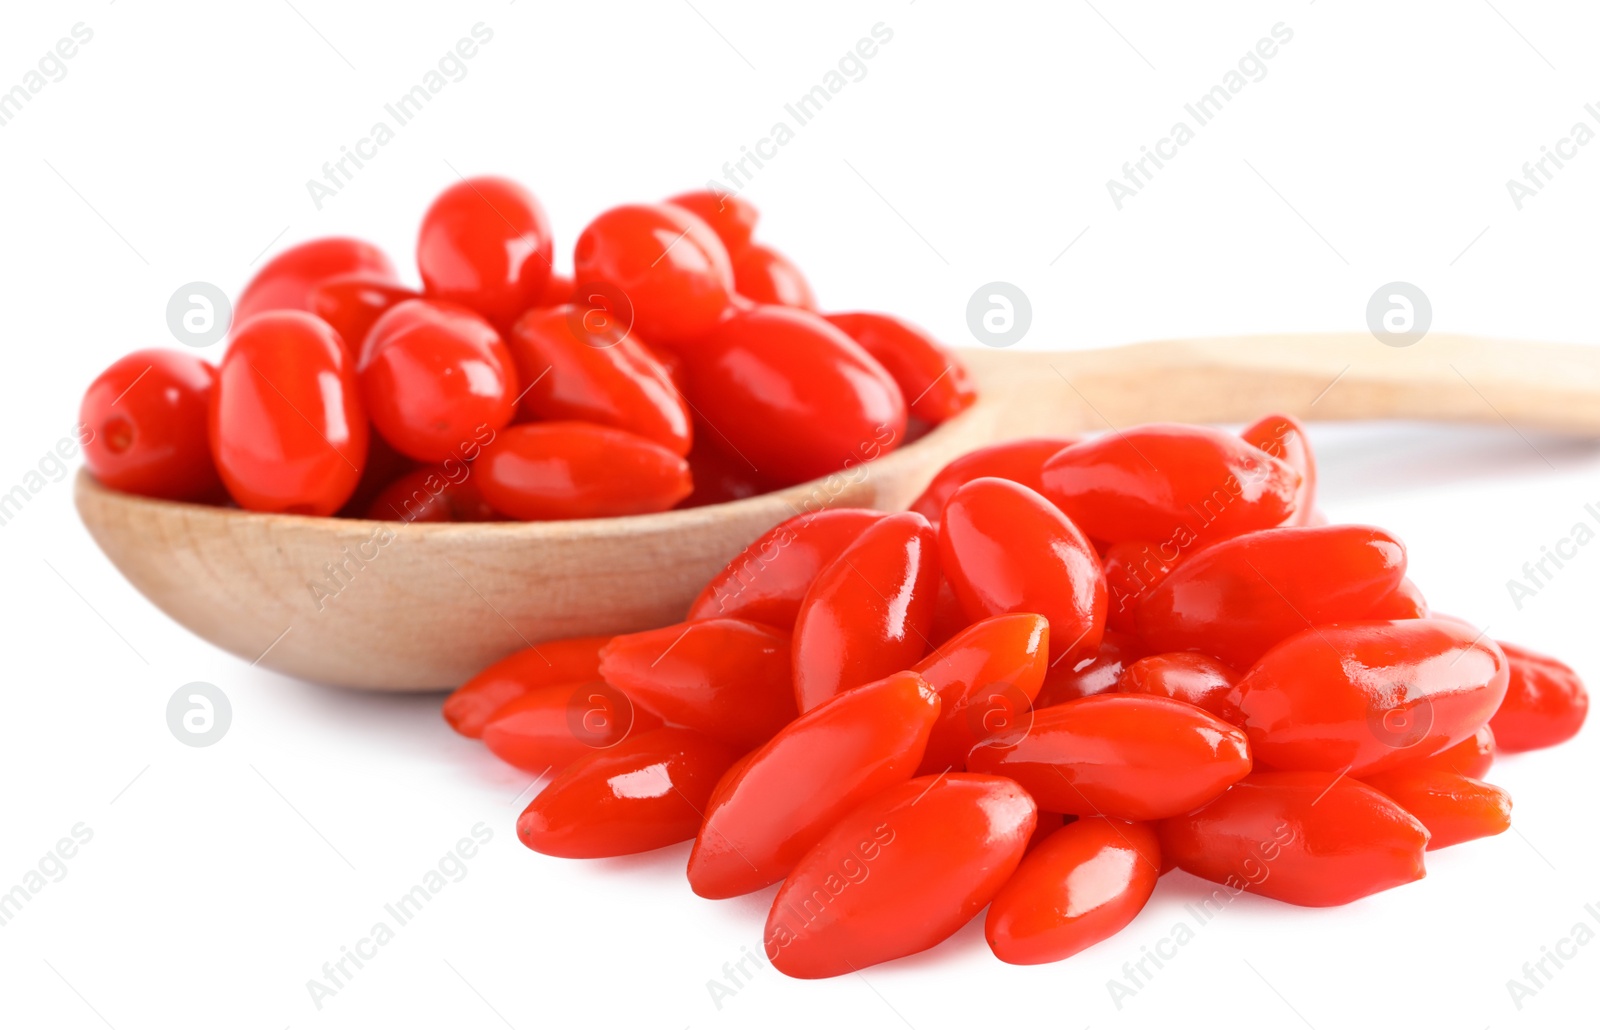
(1074, 665)
(681, 364)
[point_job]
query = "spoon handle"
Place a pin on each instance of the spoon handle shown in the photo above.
(1313, 376)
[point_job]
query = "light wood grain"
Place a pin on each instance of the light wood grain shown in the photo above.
(437, 602)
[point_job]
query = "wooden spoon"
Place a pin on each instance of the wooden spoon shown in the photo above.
(327, 600)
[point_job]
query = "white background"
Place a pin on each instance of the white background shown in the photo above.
(976, 148)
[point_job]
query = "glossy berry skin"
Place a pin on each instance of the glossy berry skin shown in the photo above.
(351, 303)
(725, 678)
(1186, 676)
(568, 376)
(1133, 568)
(936, 385)
(986, 677)
(1084, 883)
(576, 470)
(1454, 808)
(287, 426)
(786, 795)
(671, 267)
(432, 494)
(434, 377)
(144, 426)
(901, 873)
(286, 282)
(869, 613)
(765, 276)
(1368, 696)
(791, 394)
(643, 794)
(1237, 599)
(1301, 837)
(1122, 756)
(1405, 602)
(572, 660)
(1020, 461)
(1285, 439)
(1171, 484)
(1471, 758)
(767, 580)
(668, 360)
(550, 727)
(485, 244)
(1004, 549)
(1102, 671)
(731, 217)
(1545, 703)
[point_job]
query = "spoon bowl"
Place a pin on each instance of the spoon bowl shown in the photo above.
(424, 606)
